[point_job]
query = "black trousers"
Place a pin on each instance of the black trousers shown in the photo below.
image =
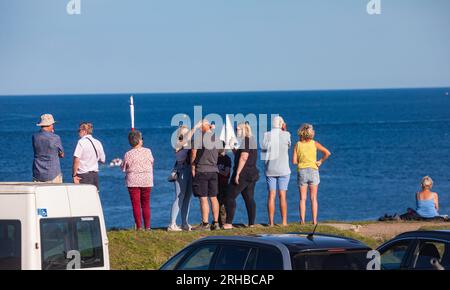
(412, 215)
(90, 177)
(222, 197)
(247, 189)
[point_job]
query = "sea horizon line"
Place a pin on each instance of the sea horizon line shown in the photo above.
(223, 92)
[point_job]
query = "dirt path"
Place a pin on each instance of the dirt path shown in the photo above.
(385, 230)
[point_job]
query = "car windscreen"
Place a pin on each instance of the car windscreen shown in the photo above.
(330, 260)
(70, 243)
(10, 245)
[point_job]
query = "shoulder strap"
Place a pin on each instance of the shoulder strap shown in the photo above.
(95, 149)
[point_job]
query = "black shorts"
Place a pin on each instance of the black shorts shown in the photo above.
(205, 184)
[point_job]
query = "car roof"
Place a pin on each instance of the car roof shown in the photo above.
(297, 242)
(439, 234)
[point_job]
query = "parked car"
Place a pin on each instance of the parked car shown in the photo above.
(420, 250)
(298, 251)
(51, 226)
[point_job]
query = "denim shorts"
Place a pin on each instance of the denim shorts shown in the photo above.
(282, 181)
(308, 176)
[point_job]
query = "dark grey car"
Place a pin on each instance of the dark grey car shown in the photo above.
(298, 251)
(417, 250)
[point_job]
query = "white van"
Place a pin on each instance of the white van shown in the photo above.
(52, 226)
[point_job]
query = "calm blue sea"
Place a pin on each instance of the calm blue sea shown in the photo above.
(383, 142)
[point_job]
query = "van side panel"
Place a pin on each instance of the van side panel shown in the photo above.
(84, 201)
(22, 207)
(53, 201)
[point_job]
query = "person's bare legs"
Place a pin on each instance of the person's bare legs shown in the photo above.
(215, 208)
(314, 204)
(303, 191)
(283, 206)
(271, 206)
(204, 207)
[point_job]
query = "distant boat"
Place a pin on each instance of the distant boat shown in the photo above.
(116, 162)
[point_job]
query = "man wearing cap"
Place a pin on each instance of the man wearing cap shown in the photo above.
(88, 153)
(47, 149)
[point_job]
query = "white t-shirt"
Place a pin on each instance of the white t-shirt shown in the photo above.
(86, 153)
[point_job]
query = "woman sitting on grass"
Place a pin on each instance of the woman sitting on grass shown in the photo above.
(427, 204)
(427, 201)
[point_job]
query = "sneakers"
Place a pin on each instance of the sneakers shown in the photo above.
(215, 226)
(174, 228)
(187, 228)
(203, 227)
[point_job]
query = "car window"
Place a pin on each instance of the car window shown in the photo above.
(427, 250)
(269, 258)
(330, 260)
(172, 263)
(232, 257)
(10, 245)
(445, 261)
(393, 256)
(199, 259)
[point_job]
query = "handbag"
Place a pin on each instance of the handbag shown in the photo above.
(173, 176)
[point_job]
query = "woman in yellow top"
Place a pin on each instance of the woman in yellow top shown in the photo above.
(305, 157)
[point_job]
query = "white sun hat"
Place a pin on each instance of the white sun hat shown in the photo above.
(46, 120)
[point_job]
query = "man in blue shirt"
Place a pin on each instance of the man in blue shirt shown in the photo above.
(47, 149)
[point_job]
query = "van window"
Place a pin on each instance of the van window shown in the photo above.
(10, 245)
(59, 236)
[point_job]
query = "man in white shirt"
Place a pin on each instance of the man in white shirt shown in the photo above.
(88, 153)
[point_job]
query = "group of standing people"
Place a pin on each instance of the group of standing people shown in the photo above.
(48, 149)
(88, 153)
(202, 169)
(205, 173)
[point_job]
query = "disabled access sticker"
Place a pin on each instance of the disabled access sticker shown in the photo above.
(42, 212)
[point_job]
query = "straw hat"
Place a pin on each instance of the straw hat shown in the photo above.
(46, 120)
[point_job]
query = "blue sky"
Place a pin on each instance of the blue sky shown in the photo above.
(221, 45)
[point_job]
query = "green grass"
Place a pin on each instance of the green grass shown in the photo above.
(130, 249)
(428, 228)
